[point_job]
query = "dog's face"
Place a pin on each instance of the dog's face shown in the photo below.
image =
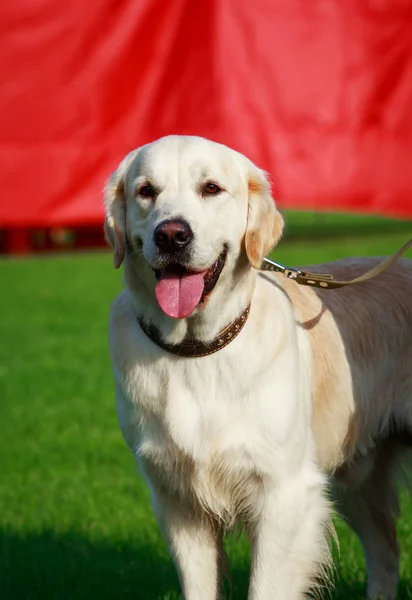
(186, 210)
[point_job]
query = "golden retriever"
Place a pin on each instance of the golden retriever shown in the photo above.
(309, 386)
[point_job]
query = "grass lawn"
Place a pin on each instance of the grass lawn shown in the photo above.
(75, 518)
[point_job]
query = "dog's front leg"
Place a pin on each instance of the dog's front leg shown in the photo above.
(196, 545)
(288, 538)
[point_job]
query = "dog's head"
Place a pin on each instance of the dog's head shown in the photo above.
(185, 211)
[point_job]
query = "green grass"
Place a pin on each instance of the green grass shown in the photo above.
(75, 518)
(311, 224)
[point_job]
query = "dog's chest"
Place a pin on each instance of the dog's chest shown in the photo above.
(190, 406)
(198, 434)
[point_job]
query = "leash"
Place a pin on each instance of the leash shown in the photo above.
(321, 280)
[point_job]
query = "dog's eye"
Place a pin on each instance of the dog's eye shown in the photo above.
(212, 188)
(146, 191)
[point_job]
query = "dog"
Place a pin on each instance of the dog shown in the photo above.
(243, 396)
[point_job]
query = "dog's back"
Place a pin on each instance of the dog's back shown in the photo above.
(361, 339)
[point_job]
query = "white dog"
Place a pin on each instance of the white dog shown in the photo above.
(238, 391)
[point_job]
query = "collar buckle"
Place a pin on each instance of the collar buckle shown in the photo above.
(292, 273)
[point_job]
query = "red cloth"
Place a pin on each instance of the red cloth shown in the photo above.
(318, 93)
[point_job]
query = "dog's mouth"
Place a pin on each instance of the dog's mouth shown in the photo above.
(179, 291)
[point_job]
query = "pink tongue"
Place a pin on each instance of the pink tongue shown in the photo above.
(178, 294)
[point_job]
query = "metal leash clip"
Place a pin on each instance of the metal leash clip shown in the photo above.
(271, 265)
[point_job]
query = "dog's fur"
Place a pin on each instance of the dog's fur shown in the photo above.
(317, 385)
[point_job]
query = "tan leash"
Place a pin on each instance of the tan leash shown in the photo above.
(320, 280)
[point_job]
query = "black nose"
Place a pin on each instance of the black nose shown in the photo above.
(171, 236)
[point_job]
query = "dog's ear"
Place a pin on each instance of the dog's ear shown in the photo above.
(115, 203)
(264, 223)
(115, 223)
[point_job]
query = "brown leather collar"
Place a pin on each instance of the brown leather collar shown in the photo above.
(195, 348)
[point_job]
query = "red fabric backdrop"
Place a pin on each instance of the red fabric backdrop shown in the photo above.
(318, 93)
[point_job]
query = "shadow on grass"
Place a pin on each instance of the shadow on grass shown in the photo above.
(47, 566)
(355, 590)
